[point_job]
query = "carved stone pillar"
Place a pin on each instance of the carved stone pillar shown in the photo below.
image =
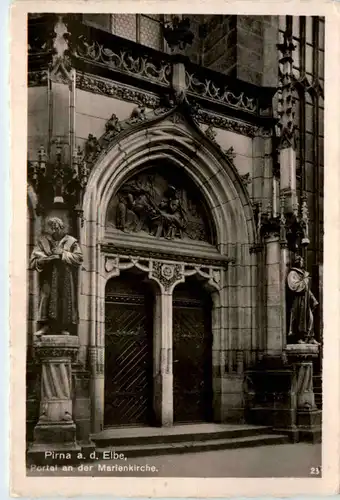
(97, 381)
(163, 374)
(55, 428)
(167, 275)
(275, 340)
(308, 417)
(286, 125)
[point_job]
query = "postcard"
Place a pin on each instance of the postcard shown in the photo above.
(174, 262)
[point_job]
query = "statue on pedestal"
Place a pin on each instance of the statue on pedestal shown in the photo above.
(56, 256)
(302, 304)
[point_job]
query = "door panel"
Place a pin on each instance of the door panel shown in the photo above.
(192, 365)
(128, 362)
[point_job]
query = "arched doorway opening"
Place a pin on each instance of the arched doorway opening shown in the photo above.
(128, 351)
(192, 353)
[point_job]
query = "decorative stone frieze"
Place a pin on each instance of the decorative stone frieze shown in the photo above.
(97, 85)
(166, 273)
(111, 248)
(122, 60)
(211, 90)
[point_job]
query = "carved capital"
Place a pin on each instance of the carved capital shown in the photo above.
(167, 274)
(51, 347)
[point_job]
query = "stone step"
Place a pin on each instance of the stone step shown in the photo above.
(166, 448)
(182, 433)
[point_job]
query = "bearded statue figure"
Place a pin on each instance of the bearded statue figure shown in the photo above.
(301, 304)
(56, 257)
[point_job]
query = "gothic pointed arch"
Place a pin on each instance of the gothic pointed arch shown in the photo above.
(172, 137)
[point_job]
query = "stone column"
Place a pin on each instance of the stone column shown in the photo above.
(163, 374)
(286, 125)
(275, 340)
(55, 429)
(167, 275)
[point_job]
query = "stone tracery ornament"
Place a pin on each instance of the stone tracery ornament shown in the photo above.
(60, 66)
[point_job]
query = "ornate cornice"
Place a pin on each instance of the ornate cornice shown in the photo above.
(221, 121)
(116, 90)
(111, 248)
(124, 63)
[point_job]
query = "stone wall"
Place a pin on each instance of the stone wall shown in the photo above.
(37, 120)
(244, 47)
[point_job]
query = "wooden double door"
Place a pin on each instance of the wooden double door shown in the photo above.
(129, 308)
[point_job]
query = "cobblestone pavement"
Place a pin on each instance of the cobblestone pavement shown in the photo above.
(286, 460)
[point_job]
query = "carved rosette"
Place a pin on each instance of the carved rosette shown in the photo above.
(167, 274)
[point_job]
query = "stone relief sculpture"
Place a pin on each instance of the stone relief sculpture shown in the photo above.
(153, 205)
(56, 256)
(301, 303)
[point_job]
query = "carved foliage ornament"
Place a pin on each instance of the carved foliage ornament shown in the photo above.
(108, 88)
(123, 60)
(211, 90)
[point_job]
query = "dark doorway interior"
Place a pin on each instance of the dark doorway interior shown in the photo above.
(192, 353)
(128, 351)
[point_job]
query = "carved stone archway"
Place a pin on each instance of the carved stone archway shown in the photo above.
(177, 139)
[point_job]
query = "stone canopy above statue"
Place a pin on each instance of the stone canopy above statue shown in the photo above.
(162, 202)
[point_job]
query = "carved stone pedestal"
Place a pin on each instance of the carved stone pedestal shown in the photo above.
(308, 417)
(55, 430)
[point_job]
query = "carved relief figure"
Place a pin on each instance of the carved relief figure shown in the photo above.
(302, 304)
(55, 257)
(135, 208)
(172, 217)
(155, 205)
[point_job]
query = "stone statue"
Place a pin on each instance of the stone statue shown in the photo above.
(56, 256)
(302, 304)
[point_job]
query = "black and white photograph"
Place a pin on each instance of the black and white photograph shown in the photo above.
(175, 243)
